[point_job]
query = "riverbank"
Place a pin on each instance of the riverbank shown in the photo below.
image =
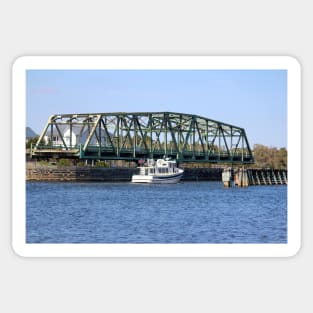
(38, 172)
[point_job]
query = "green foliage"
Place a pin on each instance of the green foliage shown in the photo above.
(43, 163)
(64, 162)
(270, 157)
(32, 141)
(101, 164)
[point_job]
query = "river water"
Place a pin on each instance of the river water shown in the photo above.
(188, 212)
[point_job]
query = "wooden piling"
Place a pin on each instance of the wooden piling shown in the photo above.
(246, 177)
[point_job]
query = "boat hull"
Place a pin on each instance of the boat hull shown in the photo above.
(158, 179)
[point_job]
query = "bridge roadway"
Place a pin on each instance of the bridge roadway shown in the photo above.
(141, 135)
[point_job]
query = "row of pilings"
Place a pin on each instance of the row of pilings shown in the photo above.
(243, 177)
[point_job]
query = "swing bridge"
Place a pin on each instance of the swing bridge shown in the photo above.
(141, 135)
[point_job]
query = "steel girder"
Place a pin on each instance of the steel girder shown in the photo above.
(140, 135)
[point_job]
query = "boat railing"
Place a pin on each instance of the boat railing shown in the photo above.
(150, 162)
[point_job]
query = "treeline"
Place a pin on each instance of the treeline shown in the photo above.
(31, 141)
(270, 157)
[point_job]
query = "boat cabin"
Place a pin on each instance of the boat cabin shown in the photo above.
(160, 167)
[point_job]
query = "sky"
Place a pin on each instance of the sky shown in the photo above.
(255, 100)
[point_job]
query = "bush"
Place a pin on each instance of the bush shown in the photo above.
(101, 164)
(64, 162)
(43, 163)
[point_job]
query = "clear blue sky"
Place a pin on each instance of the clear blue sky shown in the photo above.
(253, 99)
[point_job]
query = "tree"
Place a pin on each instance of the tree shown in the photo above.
(270, 157)
(30, 141)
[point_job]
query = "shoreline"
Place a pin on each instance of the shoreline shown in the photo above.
(94, 174)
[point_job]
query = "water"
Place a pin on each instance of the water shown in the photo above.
(188, 212)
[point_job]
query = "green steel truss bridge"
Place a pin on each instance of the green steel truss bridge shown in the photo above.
(140, 135)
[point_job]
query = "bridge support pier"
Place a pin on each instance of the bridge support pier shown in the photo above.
(241, 177)
(235, 177)
(228, 177)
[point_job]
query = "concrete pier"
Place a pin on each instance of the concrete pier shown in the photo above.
(228, 177)
(241, 177)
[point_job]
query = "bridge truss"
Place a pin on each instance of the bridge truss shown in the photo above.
(141, 135)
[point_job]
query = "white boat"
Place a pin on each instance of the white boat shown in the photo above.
(159, 172)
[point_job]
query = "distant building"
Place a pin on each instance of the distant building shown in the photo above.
(79, 136)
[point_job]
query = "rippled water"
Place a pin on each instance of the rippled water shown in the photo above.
(188, 212)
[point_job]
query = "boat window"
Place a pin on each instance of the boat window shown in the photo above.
(146, 171)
